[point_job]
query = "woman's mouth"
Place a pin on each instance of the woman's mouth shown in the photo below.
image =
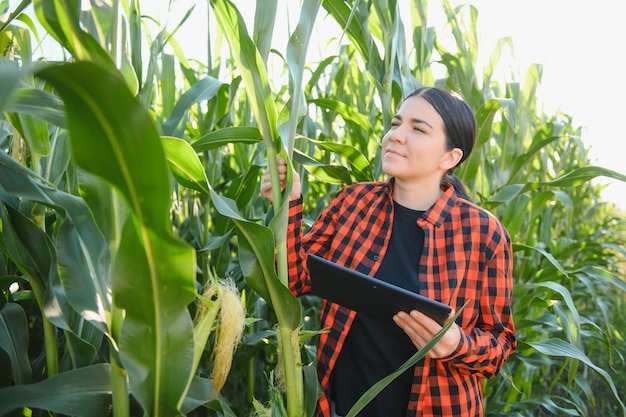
(391, 152)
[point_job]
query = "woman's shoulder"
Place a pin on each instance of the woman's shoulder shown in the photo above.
(361, 194)
(365, 188)
(469, 212)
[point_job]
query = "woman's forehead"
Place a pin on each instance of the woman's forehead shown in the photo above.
(419, 108)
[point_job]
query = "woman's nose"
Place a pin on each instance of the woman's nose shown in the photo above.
(397, 134)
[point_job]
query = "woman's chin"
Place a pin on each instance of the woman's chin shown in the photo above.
(390, 170)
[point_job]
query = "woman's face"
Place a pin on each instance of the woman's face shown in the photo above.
(414, 148)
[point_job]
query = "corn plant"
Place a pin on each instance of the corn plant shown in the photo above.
(130, 181)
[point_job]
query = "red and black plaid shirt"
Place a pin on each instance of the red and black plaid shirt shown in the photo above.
(467, 256)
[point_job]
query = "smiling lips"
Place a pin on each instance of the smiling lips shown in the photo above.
(393, 153)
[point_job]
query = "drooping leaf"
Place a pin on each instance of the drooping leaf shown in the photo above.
(83, 392)
(14, 341)
(39, 104)
(558, 347)
(204, 89)
(185, 164)
(230, 135)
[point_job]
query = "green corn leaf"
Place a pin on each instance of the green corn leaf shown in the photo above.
(361, 168)
(544, 253)
(185, 164)
(582, 175)
(86, 256)
(252, 69)
(16, 13)
(558, 347)
(39, 104)
(9, 77)
(296, 55)
(263, 31)
(255, 241)
(245, 135)
(14, 341)
(346, 112)
(84, 392)
(114, 137)
(204, 89)
(61, 19)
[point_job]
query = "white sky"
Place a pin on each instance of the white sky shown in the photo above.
(581, 45)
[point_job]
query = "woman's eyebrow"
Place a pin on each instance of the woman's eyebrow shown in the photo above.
(414, 120)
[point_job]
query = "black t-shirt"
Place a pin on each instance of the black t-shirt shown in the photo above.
(375, 348)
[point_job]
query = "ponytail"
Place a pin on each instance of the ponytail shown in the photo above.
(459, 187)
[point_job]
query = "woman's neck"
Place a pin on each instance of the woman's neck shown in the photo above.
(416, 196)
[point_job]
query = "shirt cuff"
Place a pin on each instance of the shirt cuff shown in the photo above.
(461, 349)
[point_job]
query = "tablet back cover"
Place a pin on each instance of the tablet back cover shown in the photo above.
(368, 295)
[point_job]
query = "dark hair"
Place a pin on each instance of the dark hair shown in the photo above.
(459, 125)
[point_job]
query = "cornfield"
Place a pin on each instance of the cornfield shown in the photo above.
(129, 178)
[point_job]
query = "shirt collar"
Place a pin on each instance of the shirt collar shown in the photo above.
(440, 210)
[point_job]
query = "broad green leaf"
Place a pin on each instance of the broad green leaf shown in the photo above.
(83, 263)
(55, 167)
(34, 131)
(356, 29)
(565, 294)
(332, 174)
(264, 21)
(599, 274)
(216, 242)
(256, 253)
(84, 392)
(39, 104)
(361, 166)
(296, 54)
(345, 111)
(544, 253)
(61, 19)
(494, 59)
(238, 134)
(558, 347)
(114, 137)
(84, 267)
(252, 69)
(14, 341)
(152, 280)
(199, 395)
(204, 89)
(486, 113)
(16, 13)
(507, 193)
(9, 77)
(185, 164)
(27, 246)
(34, 253)
(582, 175)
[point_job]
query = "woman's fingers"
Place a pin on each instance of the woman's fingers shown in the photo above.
(421, 329)
(266, 181)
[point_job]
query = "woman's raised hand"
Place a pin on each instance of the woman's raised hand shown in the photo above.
(266, 182)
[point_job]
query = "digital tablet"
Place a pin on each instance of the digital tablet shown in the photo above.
(368, 295)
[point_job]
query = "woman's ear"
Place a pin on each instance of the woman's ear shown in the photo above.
(452, 159)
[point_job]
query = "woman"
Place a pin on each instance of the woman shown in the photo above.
(418, 230)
